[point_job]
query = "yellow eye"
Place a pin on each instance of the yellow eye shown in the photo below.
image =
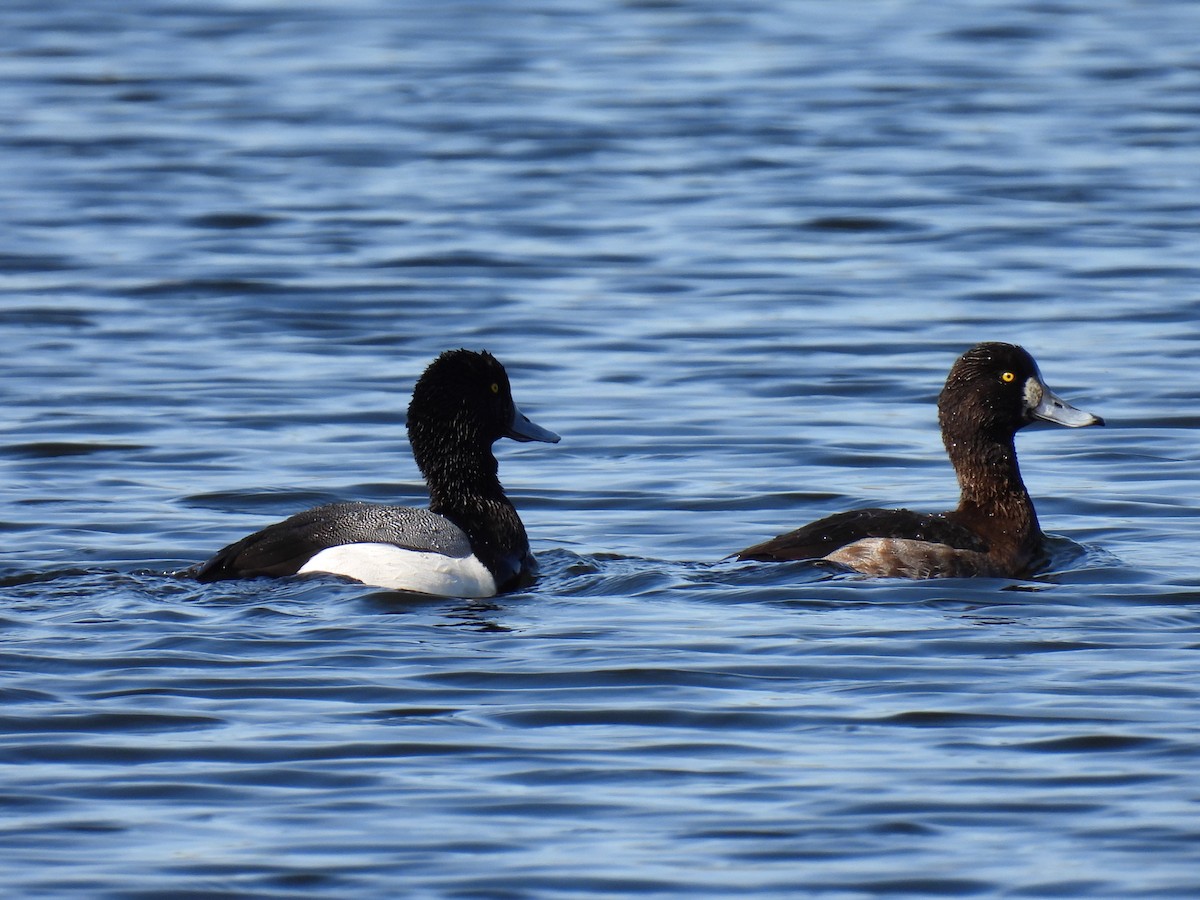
(496, 387)
(1007, 377)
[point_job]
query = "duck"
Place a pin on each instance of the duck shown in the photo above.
(468, 543)
(993, 391)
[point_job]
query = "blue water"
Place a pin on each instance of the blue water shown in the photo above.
(729, 252)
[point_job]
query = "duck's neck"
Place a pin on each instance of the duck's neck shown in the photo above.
(994, 502)
(466, 490)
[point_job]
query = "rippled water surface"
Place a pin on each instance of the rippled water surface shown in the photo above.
(729, 252)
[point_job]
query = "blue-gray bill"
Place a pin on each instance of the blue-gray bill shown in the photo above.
(1049, 407)
(524, 429)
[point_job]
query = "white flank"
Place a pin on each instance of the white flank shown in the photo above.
(389, 566)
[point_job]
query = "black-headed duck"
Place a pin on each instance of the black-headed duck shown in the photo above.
(993, 390)
(470, 541)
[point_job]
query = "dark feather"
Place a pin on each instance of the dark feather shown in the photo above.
(820, 538)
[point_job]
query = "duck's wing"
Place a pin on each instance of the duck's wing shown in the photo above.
(282, 548)
(819, 539)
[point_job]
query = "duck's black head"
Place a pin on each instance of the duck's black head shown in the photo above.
(995, 389)
(461, 405)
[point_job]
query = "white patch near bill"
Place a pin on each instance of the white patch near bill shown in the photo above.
(1033, 392)
(389, 566)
